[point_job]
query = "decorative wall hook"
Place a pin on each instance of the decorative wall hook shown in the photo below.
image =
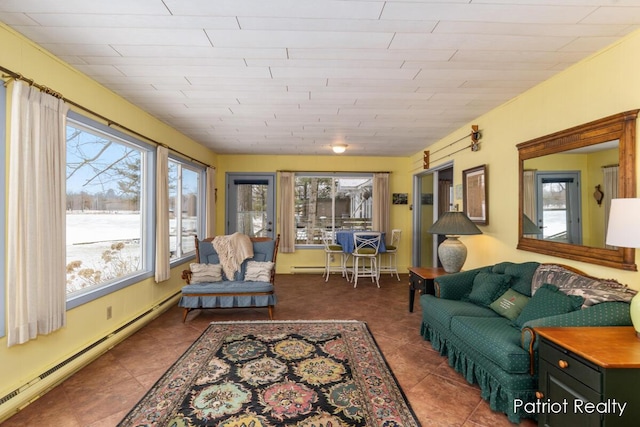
(598, 195)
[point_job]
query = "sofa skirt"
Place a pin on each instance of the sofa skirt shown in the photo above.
(499, 388)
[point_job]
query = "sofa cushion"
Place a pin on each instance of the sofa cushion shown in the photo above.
(487, 287)
(443, 310)
(522, 274)
(258, 271)
(548, 300)
(509, 304)
(205, 272)
(494, 338)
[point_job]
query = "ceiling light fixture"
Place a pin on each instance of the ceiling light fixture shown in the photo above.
(339, 148)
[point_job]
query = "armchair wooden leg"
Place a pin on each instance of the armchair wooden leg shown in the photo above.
(270, 308)
(184, 315)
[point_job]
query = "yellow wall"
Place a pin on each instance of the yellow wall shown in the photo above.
(87, 323)
(399, 182)
(603, 84)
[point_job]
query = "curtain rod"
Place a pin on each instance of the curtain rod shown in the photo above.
(17, 76)
(331, 172)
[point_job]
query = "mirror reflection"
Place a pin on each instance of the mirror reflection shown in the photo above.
(567, 181)
(567, 195)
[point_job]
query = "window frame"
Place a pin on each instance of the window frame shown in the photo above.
(147, 203)
(3, 196)
(201, 203)
(332, 175)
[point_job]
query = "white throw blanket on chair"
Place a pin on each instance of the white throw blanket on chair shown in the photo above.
(232, 250)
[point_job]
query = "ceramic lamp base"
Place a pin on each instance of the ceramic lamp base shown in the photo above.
(453, 253)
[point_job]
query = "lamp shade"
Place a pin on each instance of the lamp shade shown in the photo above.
(452, 252)
(624, 225)
(528, 227)
(454, 223)
(624, 231)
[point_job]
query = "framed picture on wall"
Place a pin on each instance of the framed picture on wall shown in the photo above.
(400, 198)
(474, 194)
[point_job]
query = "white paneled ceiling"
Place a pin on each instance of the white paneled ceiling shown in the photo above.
(388, 78)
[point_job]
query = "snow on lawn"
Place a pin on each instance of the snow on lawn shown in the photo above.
(89, 235)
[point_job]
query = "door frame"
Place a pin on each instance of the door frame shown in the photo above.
(418, 227)
(231, 198)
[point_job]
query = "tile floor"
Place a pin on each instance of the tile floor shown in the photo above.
(104, 391)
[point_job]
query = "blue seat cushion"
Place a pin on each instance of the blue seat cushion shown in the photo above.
(227, 287)
(234, 294)
(443, 310)
(495, 338)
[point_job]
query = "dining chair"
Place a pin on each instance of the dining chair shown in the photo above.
(332, 250)
(366, 247)
(391, 255)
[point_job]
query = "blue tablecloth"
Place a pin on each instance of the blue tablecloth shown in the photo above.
(345, 239)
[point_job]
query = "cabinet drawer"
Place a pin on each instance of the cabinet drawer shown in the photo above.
(583, 371)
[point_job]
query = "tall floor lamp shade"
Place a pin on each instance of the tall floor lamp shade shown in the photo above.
(452, 252)
(624, 231)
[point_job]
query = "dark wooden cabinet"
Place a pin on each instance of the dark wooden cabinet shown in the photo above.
(588, 376)
(421, 279)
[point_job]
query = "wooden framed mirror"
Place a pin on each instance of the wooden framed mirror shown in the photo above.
(559, 212)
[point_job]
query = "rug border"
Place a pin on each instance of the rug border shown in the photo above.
(365, 324)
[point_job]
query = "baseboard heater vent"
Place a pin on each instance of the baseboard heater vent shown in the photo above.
(307, 269)
(91, 346)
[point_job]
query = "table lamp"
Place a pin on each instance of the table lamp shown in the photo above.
(624, 231)
(452, 252)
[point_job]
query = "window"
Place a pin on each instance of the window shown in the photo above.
(185, 218)
(331, 203)
(107, 199)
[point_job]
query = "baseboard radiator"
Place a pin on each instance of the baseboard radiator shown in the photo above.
(311, 269)
(111, 336)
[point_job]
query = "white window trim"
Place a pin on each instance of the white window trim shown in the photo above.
(201, 202)
(147, 240)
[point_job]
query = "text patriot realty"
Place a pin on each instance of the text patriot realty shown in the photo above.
(577, 406)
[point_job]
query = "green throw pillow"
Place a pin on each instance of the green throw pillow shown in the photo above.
(509, 304)
(487, 287)
(549, 300)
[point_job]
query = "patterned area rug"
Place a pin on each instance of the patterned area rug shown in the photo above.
(272, 373)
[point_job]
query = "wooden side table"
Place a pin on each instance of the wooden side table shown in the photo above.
(586, 375)
(421, 279)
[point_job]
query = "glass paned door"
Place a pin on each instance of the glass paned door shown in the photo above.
(251, 205)
(559, 206)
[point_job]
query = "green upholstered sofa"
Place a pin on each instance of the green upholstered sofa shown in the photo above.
(466, 321)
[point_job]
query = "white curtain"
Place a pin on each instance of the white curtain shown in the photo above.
(610, 192)
(210, 214)
(163, 267)
(287, 212)
(444, 196)
(36, 223)
(529, 195)
(381, 202)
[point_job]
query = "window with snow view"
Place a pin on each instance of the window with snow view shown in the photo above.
(105, 208)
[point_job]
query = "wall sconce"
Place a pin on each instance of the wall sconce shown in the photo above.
(598, 195)
(339, 148)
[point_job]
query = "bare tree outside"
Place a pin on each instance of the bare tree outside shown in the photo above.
(103, 208)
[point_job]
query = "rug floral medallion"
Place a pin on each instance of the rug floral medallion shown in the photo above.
(276, 373)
